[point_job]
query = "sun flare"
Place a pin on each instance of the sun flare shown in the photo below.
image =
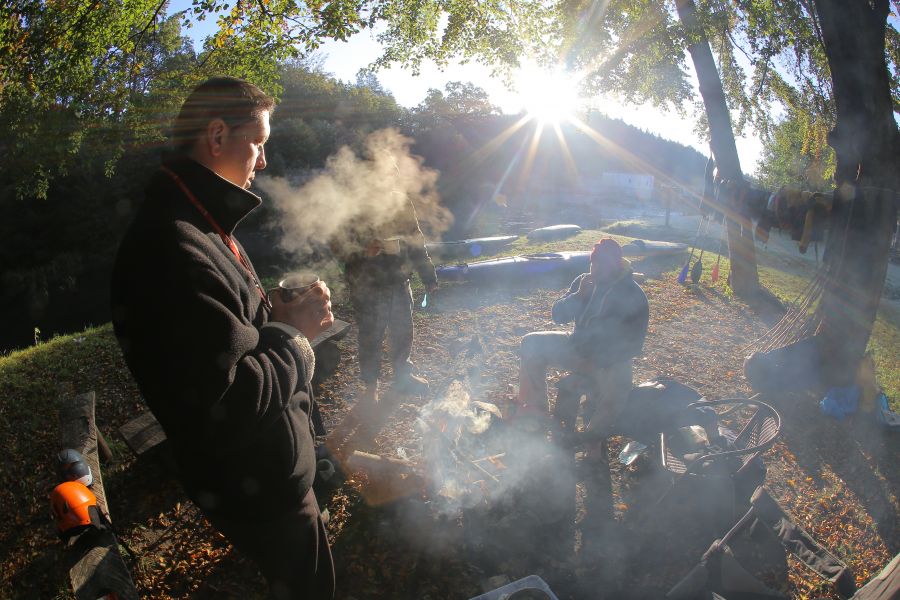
(550, 97)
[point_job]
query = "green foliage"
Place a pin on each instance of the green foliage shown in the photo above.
(68, 67)
(88, 87)
(797, 154)
(317, 114)
(630, 48)
(65, 223)
(463, 100)
(770, 56)
(87, 90)
(67, 72)
(492, 33)
(106, 77)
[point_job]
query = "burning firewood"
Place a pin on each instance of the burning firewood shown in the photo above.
(389, 479)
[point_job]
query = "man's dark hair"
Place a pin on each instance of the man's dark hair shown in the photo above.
(235, 101)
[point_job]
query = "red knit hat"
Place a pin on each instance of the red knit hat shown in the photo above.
(607, 250)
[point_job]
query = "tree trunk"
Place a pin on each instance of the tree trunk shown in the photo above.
(867, 146)
(743, 278)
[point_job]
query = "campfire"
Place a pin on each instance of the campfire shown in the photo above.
(509, 491)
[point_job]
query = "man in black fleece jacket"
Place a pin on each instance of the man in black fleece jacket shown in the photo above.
(224, 367)
(611, 315)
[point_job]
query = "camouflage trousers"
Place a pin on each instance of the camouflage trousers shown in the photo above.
(606, 388)
(378, 309)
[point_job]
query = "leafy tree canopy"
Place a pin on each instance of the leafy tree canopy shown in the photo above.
(771, 59)
(459, 99)
(796, 153)
(65, 63)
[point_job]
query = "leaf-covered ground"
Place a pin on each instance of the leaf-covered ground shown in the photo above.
(839, 480)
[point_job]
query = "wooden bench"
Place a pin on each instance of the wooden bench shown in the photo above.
(95, 566)
(145, 436)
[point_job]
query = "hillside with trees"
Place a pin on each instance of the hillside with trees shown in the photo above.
(67, 222)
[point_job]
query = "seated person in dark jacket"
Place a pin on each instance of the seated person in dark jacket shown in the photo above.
(611, 314)
(224, 367)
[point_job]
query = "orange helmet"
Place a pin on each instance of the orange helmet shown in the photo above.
(74, 508)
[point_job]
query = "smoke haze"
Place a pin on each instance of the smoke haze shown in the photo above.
(355, 192)
(458, 431)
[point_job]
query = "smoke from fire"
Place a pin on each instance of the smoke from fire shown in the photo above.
(355, 194)
(474, 459)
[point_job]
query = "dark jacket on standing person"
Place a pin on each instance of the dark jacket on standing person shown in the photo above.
(231, 393)
(611, 325)
(386, 268)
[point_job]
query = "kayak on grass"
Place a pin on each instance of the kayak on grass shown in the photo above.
(515, 267)
(472, 247)
(650, 248)
(532, 265)
(553, 232)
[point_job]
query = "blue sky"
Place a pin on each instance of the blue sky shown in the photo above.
(344, 59)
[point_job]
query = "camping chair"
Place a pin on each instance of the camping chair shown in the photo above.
(721, 575)
(724, 455)
(720, 572)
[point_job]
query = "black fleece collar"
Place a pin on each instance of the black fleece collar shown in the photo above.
(225, 201)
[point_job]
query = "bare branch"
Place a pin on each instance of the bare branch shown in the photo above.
(764, 77)
(735, 44)
(814, 19)
(265, 11)
(206, 58)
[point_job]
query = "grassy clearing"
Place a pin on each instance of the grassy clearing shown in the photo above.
(33, 382)
(38, 375)
(787, 285)
(885, 347)
(784, 276)
(884, 342)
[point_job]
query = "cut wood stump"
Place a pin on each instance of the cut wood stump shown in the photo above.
(96, 568)
(144, 435)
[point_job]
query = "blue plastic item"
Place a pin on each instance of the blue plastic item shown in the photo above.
(840, 402)
(885, 415)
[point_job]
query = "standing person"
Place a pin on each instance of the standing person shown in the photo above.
(611, 315)
(377, 277)
(224, 367)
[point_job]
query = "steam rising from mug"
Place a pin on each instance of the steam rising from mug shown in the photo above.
(353, 192)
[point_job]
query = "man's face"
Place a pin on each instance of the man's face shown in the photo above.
(241, 151)
(604, 268)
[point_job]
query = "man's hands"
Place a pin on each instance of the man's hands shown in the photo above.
(585, 287)
(310, 312)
